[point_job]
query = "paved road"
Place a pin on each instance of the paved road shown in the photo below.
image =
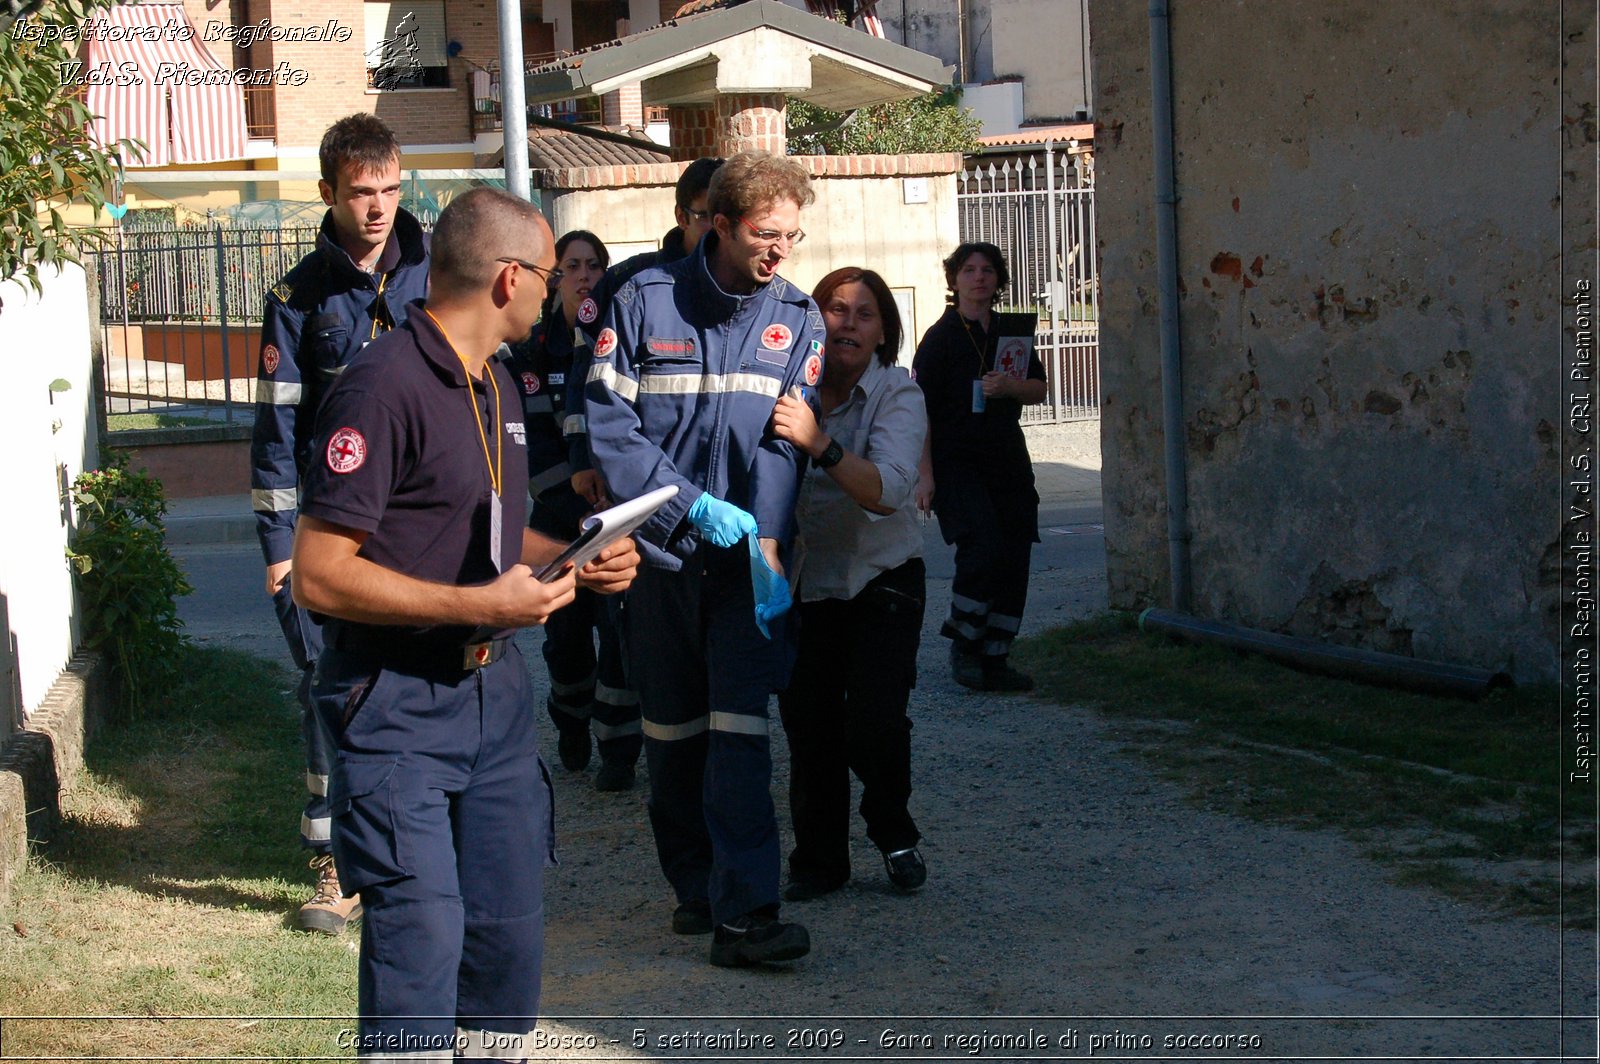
(214, 542)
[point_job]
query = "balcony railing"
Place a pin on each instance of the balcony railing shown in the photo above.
(485, 102)
(261, 112)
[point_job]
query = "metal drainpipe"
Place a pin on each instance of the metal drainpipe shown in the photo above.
(961, 41)
(513, 96)
(1352, 663)
(1172, 426)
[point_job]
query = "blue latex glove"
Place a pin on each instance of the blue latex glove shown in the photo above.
(721, 523)
(771, 590)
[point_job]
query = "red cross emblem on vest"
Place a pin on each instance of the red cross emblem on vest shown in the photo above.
(777, 337)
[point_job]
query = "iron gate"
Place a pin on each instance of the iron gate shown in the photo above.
(180, 316)
(1040, 216)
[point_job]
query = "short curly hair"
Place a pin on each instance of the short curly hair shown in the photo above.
(755, 179)
(961, 254)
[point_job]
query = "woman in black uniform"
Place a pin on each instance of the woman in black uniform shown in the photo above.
(588, 692)
(976, 471)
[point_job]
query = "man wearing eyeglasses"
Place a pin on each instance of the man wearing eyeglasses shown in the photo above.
(686, 369)
(693, 218)
(413, 544)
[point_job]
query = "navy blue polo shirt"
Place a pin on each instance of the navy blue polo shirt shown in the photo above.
(399, 455)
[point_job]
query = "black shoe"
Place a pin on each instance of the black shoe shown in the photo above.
(758, 940)
(613, 776)
(692, 918)
(906, 869)
(801, 889)
(1002, 677)
(966, 668)
(573, 745)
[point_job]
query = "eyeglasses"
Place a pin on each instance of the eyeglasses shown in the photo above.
(551, 278)
(772, 236)
(699, 216)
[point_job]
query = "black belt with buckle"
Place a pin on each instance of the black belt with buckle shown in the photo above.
(412, 655)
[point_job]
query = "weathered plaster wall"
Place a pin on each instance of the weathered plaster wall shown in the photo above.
(1368, 242)
(1043, 41)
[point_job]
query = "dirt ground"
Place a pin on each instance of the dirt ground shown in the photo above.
(1076, 906)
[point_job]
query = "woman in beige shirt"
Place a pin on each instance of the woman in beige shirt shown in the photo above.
(860, 585)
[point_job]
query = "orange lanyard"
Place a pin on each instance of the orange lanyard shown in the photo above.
(496, 466)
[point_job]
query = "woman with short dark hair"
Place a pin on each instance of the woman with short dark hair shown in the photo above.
(976, 473)
(860, 585)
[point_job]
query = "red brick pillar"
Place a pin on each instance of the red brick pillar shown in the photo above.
(691, 133)
(751, 121)
(624, 107)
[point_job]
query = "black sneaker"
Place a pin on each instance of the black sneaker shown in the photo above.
(758, 940)
(906, 869)
(692, 918)
(801, 889)
(573, 745)
(966, 669)
(613, 776)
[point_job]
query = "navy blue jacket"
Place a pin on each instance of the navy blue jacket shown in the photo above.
(542, 366)
(681, 390)
(324, 311)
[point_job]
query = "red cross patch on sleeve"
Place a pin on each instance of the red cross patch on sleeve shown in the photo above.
(605, 343)
(269, 359)
(347, 450)
(813, 370)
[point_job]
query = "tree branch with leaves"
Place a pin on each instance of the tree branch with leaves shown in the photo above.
(47, 160)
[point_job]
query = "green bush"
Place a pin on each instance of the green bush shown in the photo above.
(933, 123)
(129, 583)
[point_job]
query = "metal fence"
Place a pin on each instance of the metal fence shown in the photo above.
(180, 316)
(1035, 210)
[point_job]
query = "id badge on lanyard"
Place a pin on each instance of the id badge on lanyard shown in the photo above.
(496, 512)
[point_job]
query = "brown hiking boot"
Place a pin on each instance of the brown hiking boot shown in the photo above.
(329, 910)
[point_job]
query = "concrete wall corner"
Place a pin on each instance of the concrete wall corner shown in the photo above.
(40, 763)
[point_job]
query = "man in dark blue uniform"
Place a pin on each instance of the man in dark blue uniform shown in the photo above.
(686, 369)
(412, 542)
(369, 264)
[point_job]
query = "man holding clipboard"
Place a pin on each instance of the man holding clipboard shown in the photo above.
(412, 544)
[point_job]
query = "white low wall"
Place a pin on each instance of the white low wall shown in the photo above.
(47, 438)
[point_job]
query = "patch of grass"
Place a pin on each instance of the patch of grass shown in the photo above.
(1452, 793)
(123, 422)
(169, 888)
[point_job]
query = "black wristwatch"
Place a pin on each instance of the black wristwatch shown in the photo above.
(831, 456)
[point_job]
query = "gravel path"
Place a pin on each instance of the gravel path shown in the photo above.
(1065, 882)
(1076, 905)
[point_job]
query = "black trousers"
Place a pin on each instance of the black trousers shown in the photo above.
(845, 710)
(993, 523)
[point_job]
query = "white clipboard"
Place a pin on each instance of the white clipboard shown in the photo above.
(601, 530)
